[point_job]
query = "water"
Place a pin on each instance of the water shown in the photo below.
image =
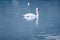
(14, 27)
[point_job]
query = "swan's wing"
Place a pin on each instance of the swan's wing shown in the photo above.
(37, 16)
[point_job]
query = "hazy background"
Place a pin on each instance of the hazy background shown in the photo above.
(14, 27)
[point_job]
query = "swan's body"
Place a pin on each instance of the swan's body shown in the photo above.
(30, 16)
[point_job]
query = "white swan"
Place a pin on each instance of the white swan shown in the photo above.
(31, 16)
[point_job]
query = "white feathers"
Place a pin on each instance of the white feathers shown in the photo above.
(29, 16)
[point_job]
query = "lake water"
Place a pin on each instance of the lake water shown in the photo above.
(14, 27)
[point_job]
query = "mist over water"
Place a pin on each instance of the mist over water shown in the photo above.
(14, 27)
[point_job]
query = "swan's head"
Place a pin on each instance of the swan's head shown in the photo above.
(29, 16)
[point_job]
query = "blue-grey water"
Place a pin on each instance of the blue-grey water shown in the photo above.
(13, 26)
